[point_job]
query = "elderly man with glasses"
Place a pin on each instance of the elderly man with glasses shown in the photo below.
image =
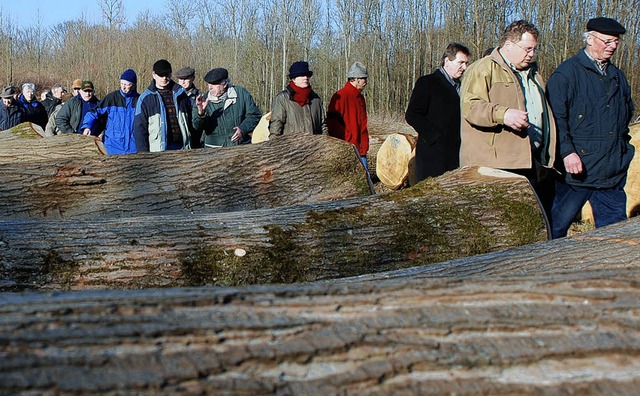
(591, 100)
(506, 119)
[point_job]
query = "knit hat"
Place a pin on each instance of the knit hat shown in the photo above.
(215, 76)
(130, 76)
(185, 72)
(7, 92)
(162, 67)
(87, 86)
(298, 69)
(357, 70)
(606, 26)
(77, 83)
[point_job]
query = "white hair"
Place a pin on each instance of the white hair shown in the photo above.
(31, 86)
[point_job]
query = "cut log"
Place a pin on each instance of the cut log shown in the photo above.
(553, 318)
(632, 188)
(465, 212)
(22, 145)
(393, 159)
(261, 132)
(272, 174)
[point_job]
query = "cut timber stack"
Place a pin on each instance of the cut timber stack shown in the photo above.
(465, 212)
(559, 317)
(632, 188)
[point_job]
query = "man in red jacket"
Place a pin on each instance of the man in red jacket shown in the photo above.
(347, 112)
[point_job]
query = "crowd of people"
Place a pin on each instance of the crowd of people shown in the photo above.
(569, 137)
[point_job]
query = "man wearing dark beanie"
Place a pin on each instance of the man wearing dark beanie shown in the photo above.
(116, 111)
(591, 102)
(163, 114)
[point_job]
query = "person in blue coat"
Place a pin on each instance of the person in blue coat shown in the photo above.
(117, 112)
(163, 114)
(591, 102)
(10, 113)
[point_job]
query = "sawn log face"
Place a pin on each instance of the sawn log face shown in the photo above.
(558, 317)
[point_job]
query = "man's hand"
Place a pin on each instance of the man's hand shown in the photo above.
(201, 103)
(86, 131)
(573, 164)
(516, 119)
(237, 135)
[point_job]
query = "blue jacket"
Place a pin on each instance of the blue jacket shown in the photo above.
(592, 115)
(150, 122)
(118, 109)
(34, 111)
(10, 116)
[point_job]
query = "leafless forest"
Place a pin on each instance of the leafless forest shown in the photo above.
(257, 40)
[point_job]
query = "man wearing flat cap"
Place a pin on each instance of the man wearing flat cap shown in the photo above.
(163, 114)
(591, 101)
(227, 114)
(10, 114)
(185, 76)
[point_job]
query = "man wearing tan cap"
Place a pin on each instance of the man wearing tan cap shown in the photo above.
(76, 87)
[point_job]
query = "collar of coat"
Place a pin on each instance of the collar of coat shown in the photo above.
(232, 97)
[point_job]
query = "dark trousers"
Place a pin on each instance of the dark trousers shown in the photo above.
(543, 182)
(609, 205)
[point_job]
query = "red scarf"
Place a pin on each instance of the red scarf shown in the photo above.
(300, 95)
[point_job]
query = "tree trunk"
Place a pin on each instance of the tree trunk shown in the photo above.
(465, 212)
(289, 171)
(23, 144)
(552, 318)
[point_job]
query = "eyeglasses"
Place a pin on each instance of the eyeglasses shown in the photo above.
(529, 50)
(609, 42)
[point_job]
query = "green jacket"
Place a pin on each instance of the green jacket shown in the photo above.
(219, 119)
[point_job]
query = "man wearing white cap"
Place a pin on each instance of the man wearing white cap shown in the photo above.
(347, 112)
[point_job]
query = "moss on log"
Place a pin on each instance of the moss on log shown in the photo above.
(462, 213)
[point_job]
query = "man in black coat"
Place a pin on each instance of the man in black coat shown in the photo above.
(434, 112)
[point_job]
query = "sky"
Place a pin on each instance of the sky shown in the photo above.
(52, 12)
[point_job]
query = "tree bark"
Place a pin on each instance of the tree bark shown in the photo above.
(291, 171)
(553, 318)
(23, 144)
(465, 212)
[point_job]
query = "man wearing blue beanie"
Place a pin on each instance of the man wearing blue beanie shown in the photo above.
(115, 113)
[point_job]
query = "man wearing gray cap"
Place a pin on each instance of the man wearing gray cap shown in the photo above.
(227, 115)
(347, 112)
(591, 102)
(185, 76)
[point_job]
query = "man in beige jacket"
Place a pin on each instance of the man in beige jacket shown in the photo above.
(506, 120)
